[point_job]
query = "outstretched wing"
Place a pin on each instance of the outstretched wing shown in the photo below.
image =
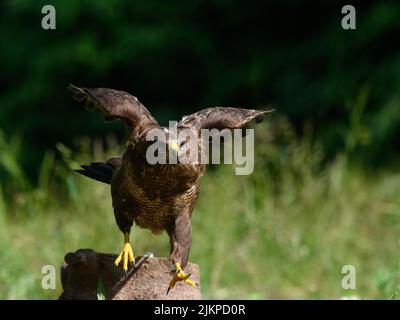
(222, 118)
(115, 105)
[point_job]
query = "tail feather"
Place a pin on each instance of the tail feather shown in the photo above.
(100, 171)
(103, 167)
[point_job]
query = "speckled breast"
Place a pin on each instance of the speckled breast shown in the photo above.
(153, 198)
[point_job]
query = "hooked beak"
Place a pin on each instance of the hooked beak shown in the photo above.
(174, 147)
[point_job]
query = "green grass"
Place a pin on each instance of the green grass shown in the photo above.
(285, 231)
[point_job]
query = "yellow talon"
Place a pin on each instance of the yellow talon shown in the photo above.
(126, 254)
(179, 275)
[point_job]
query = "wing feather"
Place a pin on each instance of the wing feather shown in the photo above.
(116, 105)
(222, 118)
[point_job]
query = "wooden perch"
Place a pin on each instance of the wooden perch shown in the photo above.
(85, 273)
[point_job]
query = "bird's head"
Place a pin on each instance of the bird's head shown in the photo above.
(166, 146)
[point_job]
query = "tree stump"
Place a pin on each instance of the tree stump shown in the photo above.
(86, 273)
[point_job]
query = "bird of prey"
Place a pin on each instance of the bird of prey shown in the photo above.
(159, 197)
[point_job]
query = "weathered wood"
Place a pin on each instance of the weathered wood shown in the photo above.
(84, 270)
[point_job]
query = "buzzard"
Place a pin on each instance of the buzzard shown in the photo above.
(159, 197)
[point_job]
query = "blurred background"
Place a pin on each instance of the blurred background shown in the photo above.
(325, 191)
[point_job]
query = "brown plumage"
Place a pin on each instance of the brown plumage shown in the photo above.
(159, 196)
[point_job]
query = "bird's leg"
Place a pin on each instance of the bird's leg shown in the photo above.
(179, 275)
(180, 237)
(126, 254)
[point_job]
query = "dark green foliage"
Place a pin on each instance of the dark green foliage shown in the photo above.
(179, 56)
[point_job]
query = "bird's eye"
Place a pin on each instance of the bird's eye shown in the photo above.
(183, 142)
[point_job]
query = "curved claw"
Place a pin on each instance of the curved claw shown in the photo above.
(179, 275)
